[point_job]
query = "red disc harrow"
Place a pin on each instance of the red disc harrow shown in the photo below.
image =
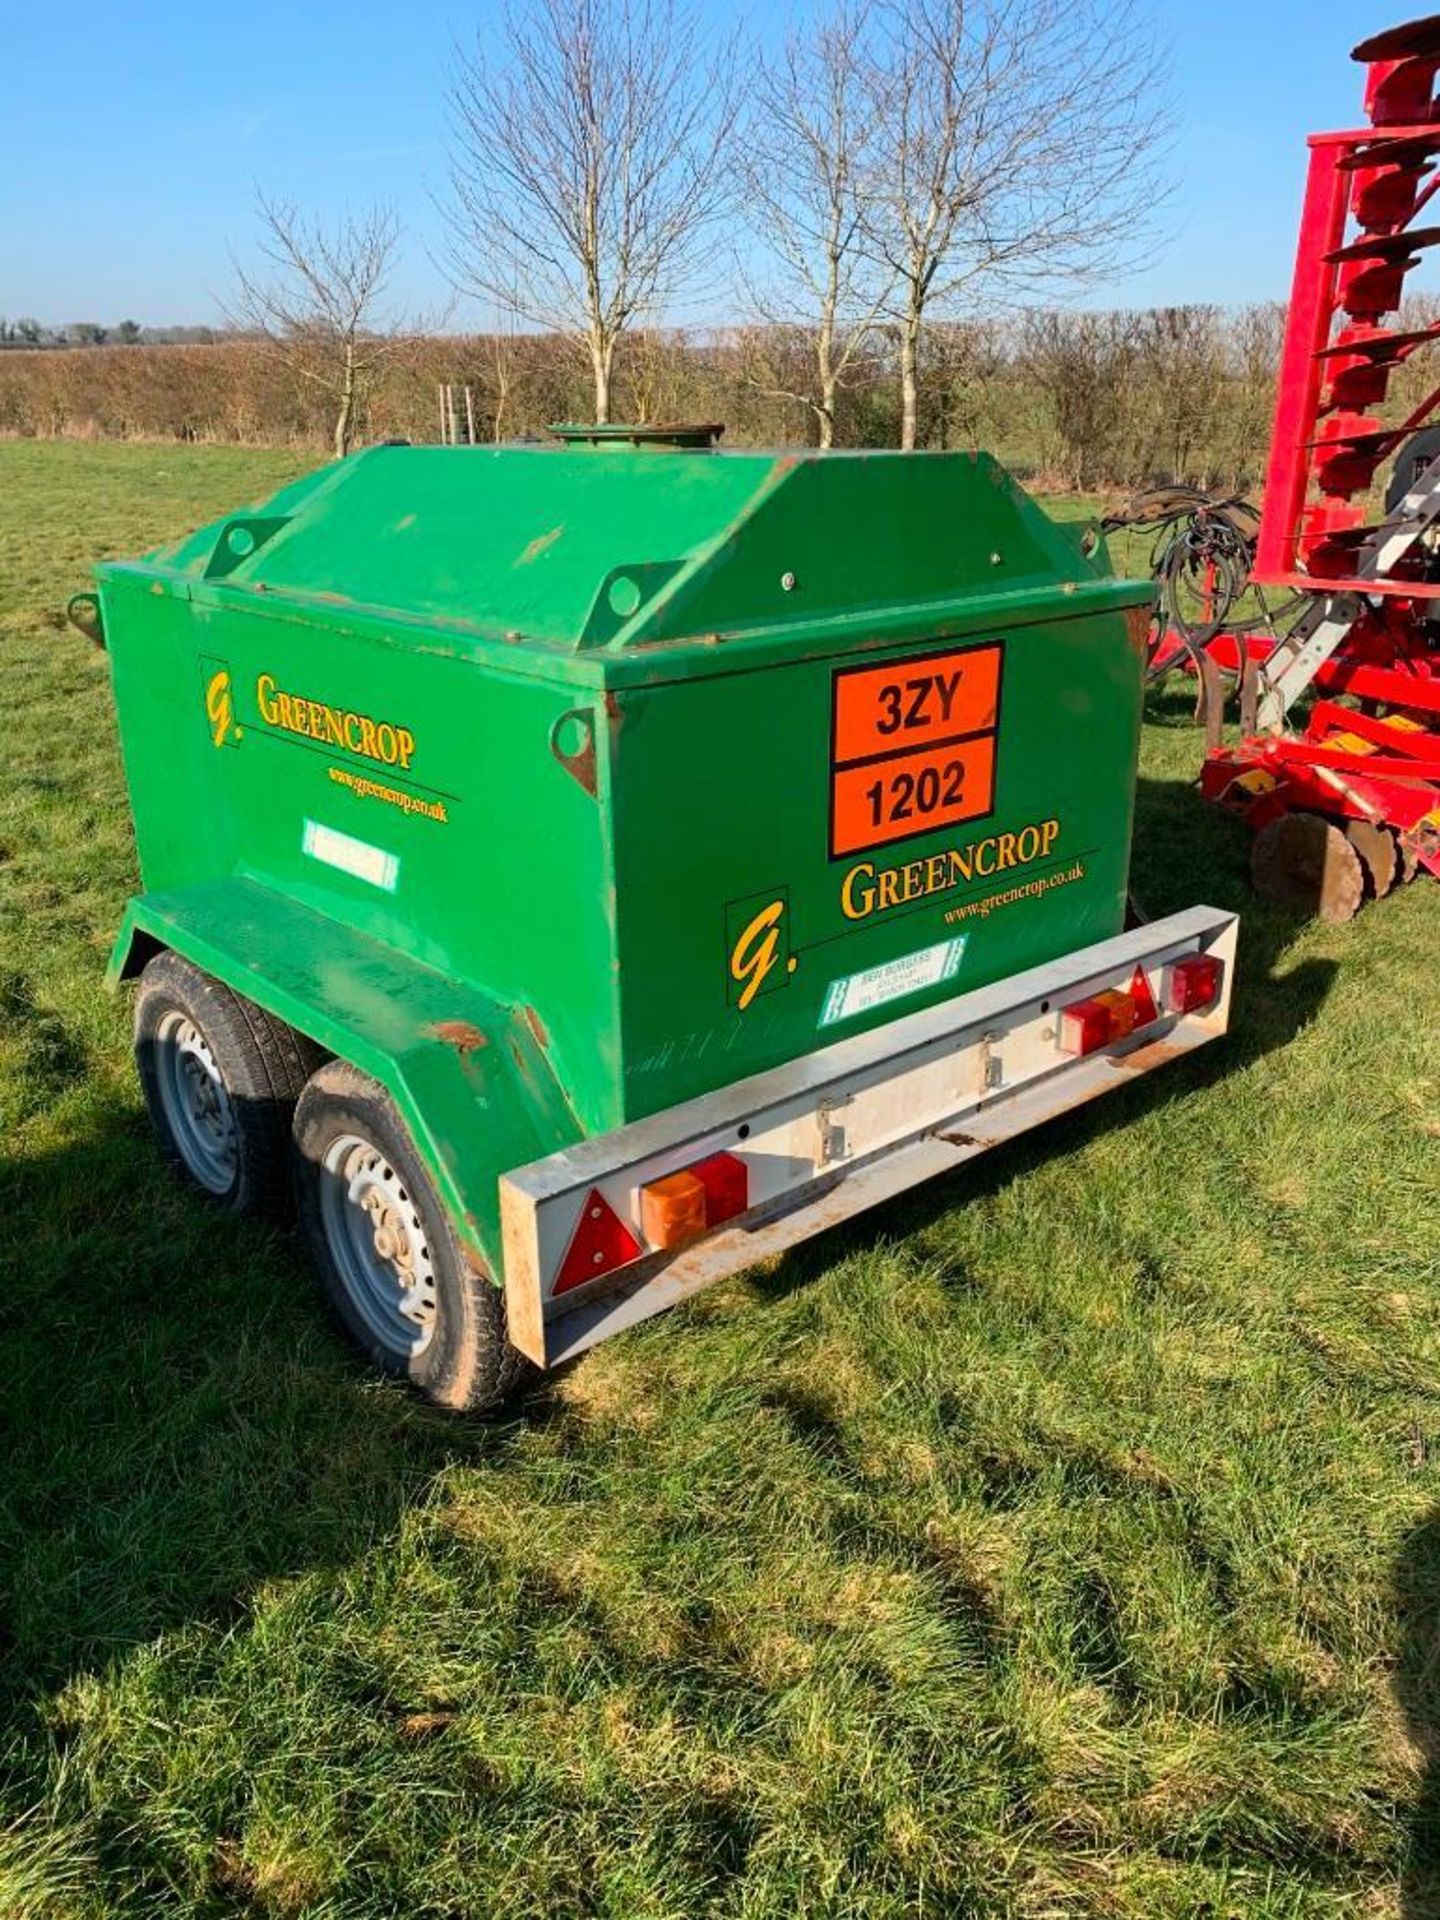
(1337, 768)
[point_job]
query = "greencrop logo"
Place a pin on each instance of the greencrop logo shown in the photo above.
(757, 943)
(220, 708)
(333, 726)
(867, 889)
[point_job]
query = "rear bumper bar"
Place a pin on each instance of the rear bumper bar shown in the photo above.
(841, 1129)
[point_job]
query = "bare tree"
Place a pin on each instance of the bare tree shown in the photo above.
(1181, 373)
(1084, 367)
(962, 367)
(588, 161)
(664, 375)
(1254, 340)
(500, 351)
(809, 163)
(316, 302)
(778, 361)
(1016, 150)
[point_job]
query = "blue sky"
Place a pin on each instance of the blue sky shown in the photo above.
(135, 136)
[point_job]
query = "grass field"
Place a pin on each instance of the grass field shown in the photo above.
(1061, 1541)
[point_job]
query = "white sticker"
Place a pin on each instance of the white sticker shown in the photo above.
(340, 850)
(860, 992)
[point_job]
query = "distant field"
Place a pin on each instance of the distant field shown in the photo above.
(1061, 1541)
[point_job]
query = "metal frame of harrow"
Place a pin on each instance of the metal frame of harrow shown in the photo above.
(1367, 622)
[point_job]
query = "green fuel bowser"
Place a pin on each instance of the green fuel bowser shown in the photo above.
(574, 874)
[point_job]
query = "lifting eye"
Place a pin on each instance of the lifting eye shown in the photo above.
(624, 595)
(572, 741)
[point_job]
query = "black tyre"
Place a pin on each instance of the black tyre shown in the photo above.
(388, 1258)
(221, 1078)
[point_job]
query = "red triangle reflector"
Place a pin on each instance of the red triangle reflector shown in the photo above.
(601, 1242)
(1143, 999)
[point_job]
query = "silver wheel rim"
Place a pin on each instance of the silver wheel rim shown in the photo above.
(198, 1109)
(379, 1246)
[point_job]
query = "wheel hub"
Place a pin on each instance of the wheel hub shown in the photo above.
(197, 1105)
(378, 1244)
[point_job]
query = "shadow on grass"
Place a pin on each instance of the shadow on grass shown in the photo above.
(1173, 704)
(179, 1419)
(1417, 1693)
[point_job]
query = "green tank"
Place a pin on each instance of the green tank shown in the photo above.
(553, 793)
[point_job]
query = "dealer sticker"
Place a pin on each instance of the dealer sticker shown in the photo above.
(350, 855)
(894, 980)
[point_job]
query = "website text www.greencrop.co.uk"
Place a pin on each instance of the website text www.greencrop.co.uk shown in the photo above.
(983, 908)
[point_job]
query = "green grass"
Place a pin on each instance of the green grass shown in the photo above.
(1061, 1541)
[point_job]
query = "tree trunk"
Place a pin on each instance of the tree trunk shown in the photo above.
(909, 379)
(345, 419)
(825, 412)
(601, 353)
(825, 367)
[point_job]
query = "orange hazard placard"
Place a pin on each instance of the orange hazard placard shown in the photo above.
(913, 793)
(913, 745)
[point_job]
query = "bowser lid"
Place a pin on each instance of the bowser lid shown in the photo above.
(656, 436)
(559, 548)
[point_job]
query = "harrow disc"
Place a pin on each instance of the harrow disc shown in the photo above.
(1378, 855)
(1301, 860)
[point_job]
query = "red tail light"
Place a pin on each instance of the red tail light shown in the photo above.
(1193, 983)
(1091, 1024)
(683, 1205)
(727, 1187)
(1085, 1027)
(1088, 1025)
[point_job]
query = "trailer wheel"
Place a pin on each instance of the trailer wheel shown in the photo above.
(220, 1078)
(390, 1262)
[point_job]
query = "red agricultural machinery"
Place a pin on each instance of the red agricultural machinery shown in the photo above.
(1342, 791)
